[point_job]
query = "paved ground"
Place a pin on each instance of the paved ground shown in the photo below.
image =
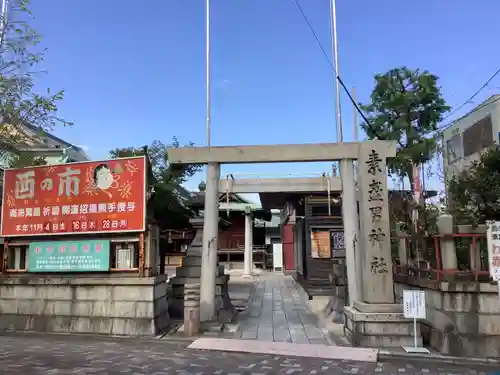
(51, 355)
(278, 312)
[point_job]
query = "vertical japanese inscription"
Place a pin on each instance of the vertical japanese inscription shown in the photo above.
(374, 240)
(494, 250)
(375, 200)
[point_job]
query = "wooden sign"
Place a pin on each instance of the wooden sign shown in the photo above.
(320, 244)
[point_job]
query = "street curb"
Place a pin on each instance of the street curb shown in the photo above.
(184, 340)
(390, 356)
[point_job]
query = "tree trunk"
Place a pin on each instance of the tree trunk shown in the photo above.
(417, 235)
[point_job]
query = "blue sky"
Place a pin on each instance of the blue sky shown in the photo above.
(134, 71)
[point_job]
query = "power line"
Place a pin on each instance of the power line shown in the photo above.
(473, 95)
(311, 28)
(471, 112)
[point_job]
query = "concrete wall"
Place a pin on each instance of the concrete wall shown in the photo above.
(463, 319)
(129, 306)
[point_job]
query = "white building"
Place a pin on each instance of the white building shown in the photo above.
(41, 144)
(467, 137)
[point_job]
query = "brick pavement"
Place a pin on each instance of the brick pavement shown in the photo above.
(278, 312)
(53, 355)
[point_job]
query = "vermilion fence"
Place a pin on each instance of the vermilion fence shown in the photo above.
(470, 249)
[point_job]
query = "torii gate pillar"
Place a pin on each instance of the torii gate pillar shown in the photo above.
(210, 244)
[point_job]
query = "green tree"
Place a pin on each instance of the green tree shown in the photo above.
(26, 159)
(406, 106)
(20, 105)
(474, 192)
(168, 204)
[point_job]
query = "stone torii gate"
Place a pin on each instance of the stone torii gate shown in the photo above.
(372, 284)
(324, 183)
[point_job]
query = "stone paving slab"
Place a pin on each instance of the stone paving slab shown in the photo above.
(57, 355)
(277, 312)
(288, 349)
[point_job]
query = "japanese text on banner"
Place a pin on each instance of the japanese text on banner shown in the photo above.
(77, 197)
(493, 237)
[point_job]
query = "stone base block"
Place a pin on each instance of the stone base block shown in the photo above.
(194, 271)
(191, 261)
(85, 325)
(334, 310)
(379, 329)
(224, 308)
(129, 306)
(338, 278)
(462, 345)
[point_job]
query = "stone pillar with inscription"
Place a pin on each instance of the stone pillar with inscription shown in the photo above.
(378, 285)
(376, 320)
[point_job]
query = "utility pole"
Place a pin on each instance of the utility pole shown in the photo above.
(5, 4)
(349, 195)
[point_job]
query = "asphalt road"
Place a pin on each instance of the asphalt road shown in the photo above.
(48, 355)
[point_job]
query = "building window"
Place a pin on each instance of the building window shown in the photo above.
(16, 258)
(478, 137)
(124, 255)
(454, 148)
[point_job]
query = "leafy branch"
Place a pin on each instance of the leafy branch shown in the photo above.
(167, 205)
(20, 107)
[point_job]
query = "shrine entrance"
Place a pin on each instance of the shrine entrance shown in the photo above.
(367, 239)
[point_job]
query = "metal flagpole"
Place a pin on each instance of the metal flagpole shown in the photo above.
(4, 20)
(349, 195)
(211, 213)
(335, 53)
(207, 70)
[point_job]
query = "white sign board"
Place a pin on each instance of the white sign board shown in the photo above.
(414, 304)
(277, 257)
(124, 258)
(493, 238)
(414, 308)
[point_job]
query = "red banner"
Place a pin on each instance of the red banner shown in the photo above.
(86, 197)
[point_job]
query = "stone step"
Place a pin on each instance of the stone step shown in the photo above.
(188, 272)
(195, 271)
(194, 251)
(176, 281)
(192, 260)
